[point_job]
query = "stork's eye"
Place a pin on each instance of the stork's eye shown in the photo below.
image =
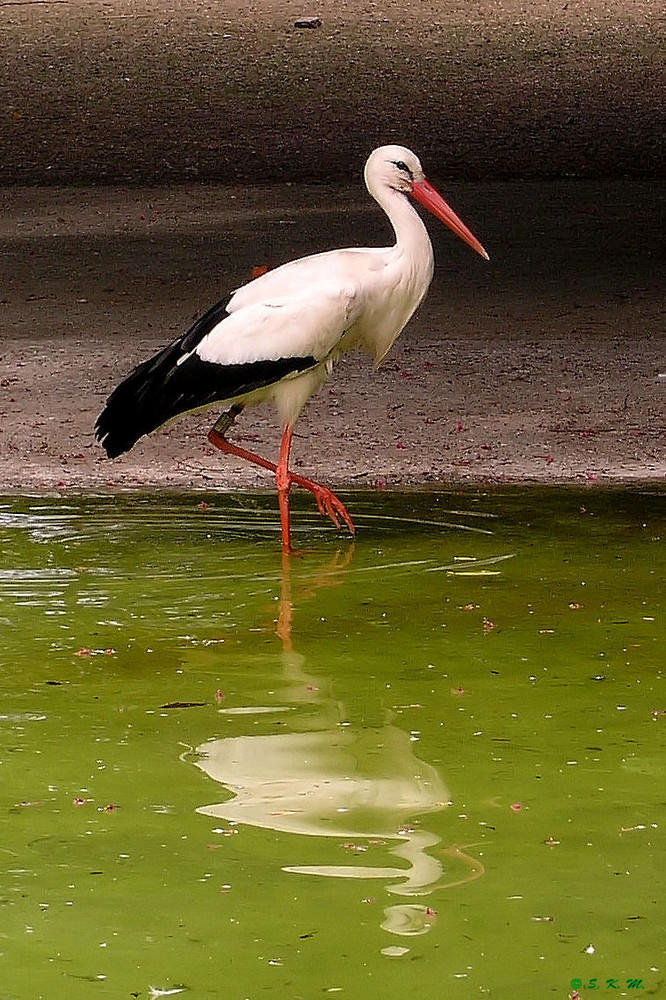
(401, 165)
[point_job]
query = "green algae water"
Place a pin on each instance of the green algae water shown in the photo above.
(430, 762)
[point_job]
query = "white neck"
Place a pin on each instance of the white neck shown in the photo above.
(407, 274)
(410, 233)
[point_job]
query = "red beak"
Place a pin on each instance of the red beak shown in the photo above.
(426, 194)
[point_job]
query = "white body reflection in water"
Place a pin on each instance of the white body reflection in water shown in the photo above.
(337, 783)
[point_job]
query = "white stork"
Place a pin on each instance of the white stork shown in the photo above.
(278, 337)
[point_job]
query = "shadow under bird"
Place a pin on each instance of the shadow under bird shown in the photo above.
(278, 337)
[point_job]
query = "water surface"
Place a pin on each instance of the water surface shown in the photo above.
(427, 763)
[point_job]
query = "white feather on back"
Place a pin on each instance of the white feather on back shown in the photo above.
(301, 326)
(334, 269)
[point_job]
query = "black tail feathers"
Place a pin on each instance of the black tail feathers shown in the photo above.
(173, 383)
(133, 409)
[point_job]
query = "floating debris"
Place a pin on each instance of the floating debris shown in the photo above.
(184, 704)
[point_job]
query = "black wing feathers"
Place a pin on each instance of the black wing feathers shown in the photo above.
(164, 386)
(202, 326)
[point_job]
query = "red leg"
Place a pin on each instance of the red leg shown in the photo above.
(232, 449)
(327, 502)
(283, 483)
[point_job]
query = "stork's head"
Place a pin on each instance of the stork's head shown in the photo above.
(393, 166)
(398, 169)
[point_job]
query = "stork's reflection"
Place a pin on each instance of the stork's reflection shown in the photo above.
(341, 780)
(331, 574)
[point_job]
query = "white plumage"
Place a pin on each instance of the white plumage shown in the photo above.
(278, 337)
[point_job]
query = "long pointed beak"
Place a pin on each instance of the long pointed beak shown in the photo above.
(431, 199)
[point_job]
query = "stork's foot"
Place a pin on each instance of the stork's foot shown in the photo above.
(327, 502)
